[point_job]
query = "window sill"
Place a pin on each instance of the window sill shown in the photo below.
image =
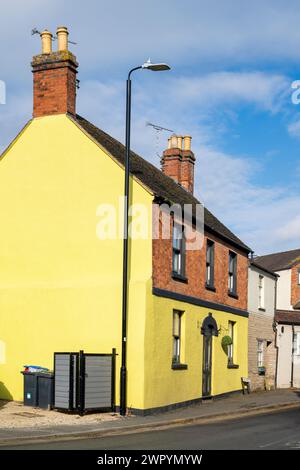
(261, 309)
(233, 295)
(211, 288)
(179, 277)
(179, 366)
(232, 366)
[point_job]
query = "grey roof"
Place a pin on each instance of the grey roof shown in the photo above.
(161, 185)
(279, 261)
(287, 316)
(260, 266)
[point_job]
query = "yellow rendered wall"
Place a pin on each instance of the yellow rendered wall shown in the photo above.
(60, 286)
(164, 386)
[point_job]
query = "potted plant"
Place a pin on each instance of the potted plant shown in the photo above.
(226, 341)
(262, 370)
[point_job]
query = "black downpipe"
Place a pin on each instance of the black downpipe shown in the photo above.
(276, 333)
(113, 380)
(81, 382)
(292, 369)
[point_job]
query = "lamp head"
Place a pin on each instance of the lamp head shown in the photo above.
(155, 67)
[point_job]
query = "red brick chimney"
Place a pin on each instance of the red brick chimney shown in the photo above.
(54, 77)
(178, 161)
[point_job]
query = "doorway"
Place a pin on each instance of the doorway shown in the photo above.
(208, 330)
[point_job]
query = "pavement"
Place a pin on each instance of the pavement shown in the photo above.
(273, 431)
(213, 411)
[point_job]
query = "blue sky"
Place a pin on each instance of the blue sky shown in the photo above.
(233, 63)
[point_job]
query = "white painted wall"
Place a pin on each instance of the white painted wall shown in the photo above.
(253, 291)
(296, 373)
(285, 356)
(284, 285)
(284, 365)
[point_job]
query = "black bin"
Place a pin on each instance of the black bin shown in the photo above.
(38, 389)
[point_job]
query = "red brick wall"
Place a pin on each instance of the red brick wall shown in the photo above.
(187, 171)
(179, 165)
(171, 163)
(54, 84)
(295, 288)
(195, 272)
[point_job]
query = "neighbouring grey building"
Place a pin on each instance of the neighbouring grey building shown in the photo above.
(262, 350)
(287, 266)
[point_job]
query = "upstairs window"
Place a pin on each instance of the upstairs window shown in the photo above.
(232, 273)
(210, 261)
(261, 292)
(178, 248)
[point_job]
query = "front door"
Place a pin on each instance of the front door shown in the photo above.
(207, 362)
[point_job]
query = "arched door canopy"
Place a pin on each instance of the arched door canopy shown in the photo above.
(209, 326)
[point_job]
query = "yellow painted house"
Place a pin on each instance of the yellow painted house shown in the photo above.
(61, 282)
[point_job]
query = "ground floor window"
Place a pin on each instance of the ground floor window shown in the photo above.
(230, 350)
(177, 317)
(296, 344)
(260, 353)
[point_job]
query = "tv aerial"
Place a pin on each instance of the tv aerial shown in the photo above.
(158, 130)
(54, 38)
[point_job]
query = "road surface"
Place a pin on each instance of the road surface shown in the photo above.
(279, 430)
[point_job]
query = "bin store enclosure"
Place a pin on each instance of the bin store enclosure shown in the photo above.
(84, 382)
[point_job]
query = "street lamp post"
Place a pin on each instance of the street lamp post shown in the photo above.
(123, 373)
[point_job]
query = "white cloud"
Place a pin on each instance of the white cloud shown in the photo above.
(225, 183)
(290, 231)
(267, 218)
(267, 91)
(196, 37)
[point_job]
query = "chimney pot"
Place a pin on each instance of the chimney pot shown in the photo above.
(187, 142)
(178, 163)
(174, 142)
(179, 142)
(62, 38)
(54, 77)
(46, 42)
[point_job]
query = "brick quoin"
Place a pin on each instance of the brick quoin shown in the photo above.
(54, 83)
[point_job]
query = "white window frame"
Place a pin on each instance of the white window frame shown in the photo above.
(230, 348)
(260, 353)
(232, 273)
(296, 344)
(176, 337)
(178, 250)
(261, 291)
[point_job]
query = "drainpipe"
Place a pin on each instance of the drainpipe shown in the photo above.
(292, 371)
(275, 331)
